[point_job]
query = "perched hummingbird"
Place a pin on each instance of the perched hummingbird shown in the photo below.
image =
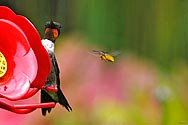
(52, 32)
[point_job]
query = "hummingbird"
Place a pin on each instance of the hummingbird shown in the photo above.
(52, 32)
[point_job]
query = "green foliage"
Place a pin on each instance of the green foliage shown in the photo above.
(153, 29)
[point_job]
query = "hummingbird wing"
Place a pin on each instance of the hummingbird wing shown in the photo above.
(48, 96)
(61, 98)
(54, 79)
(56, 69)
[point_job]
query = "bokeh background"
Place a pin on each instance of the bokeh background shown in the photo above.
(147, 83)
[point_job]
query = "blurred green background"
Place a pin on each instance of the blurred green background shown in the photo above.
(147, 84)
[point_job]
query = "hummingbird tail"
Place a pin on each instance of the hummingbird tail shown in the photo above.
(62, 100)
(45, 98)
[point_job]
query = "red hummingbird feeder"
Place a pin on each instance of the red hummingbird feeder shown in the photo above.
(24, 62)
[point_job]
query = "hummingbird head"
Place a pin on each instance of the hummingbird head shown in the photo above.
(52, 30)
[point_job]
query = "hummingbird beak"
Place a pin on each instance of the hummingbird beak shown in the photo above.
(51, 22)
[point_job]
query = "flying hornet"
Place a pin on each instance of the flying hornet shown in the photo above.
(105, 56)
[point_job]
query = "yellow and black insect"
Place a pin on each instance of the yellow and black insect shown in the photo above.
(108, 57)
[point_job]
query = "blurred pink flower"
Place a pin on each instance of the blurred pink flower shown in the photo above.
(93, 80)
(91, 84)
